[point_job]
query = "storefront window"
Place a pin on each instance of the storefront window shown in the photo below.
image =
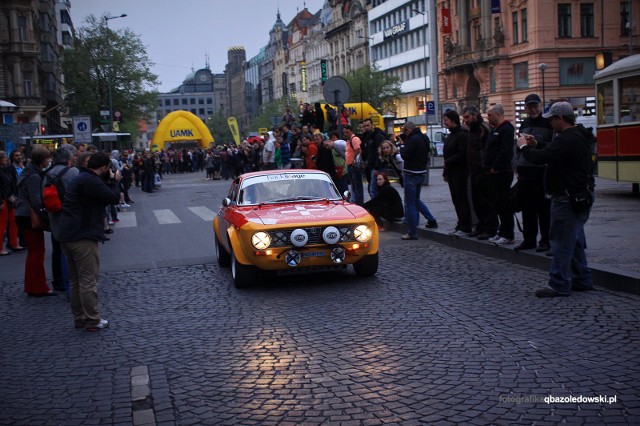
(605, 102)
(521, 75)
(629, 99)
(577, 71)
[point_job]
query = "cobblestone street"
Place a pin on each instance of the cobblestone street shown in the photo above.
(439, 335)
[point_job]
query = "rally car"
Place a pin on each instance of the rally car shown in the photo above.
(291, 220)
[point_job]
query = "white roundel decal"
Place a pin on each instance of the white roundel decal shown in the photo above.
(299, 237)
(331, 235)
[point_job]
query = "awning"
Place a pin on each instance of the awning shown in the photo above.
(7, 106)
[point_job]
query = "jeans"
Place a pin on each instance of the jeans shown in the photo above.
(569, 264)
(355, 177)
(412, 203)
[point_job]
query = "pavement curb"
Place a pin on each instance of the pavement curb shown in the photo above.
(615, 279)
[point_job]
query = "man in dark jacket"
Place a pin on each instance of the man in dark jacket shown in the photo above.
(415, 153)
(498, 152)
(80, 230)
(535, 205)
(372, 138)
(569, 172)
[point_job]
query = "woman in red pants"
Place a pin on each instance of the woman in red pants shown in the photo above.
(30, 196)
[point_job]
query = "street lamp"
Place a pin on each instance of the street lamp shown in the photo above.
(542, 67)
(424, 45)
(106, 22)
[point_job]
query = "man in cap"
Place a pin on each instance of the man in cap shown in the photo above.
(535, 205)
(569, 173)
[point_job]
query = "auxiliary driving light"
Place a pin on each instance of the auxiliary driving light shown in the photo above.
(293, 258)
(338, 254)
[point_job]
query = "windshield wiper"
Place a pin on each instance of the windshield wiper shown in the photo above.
(299, 198)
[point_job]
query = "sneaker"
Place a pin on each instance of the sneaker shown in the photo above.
(125, 205)
(459, 233)
(432, 224)
(99, 326)
(110, 222)
(494, 238)
(503, 241)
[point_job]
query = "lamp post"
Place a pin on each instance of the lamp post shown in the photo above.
(106, 22)
(543, 67)
(424, 45)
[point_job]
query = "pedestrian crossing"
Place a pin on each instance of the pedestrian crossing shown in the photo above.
(129, 219)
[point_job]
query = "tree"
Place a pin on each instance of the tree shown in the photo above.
(219, 128)
(380, 90)
(101, 57)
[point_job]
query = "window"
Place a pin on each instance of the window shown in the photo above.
(514, 17)
(492, 80)
(184, 101)
(605, 106)
(26, 83)
(167, 102)
(564, 20)
(577, 71)
(523, 22)
(201, 111)
(629, 99)
(192, 101)
(521, 75)
(176, 101)
(586, 20)
(209, 101)
(201, 101)
(22, 28)
(624, 18)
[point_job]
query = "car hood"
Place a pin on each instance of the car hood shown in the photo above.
(284, 214)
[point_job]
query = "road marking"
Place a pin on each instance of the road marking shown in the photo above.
(166, 217)
(127, 220)
(203, 212)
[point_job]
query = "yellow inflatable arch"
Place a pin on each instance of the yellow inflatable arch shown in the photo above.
(181, 129)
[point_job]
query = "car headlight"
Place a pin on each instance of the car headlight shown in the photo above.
(261, 240)
(362, 233)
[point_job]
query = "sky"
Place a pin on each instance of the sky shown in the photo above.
(179, 34)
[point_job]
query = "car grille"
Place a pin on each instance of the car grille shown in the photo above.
(282, 237)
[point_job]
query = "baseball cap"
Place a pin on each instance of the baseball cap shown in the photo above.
(532, 98)
(559, 108)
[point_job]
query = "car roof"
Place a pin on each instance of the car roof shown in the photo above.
(280, 172)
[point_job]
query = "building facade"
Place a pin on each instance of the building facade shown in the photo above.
(202, 93)
(30, 75)
(234, 71)
(501, 52)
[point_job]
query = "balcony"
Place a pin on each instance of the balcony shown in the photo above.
(455, 56)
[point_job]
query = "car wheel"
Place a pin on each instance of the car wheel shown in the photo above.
(224, 259)
(243, 275)
(367, 266)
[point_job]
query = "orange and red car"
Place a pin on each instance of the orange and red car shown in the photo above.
(291, 220)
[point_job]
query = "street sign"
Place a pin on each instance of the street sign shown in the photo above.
(431, 108)
(82, 129)
(336, 91)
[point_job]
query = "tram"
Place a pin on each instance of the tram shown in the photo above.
(618, 112)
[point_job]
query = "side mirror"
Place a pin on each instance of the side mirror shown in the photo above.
(346, 195)
(226, 202)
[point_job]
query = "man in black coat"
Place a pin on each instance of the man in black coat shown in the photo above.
(498, 153)
(81, 228)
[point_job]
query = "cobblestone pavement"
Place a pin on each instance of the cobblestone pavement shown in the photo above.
(438, 336)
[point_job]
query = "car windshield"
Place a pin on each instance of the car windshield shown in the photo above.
(287, 187)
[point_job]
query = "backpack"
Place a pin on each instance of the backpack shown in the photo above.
(53, 192)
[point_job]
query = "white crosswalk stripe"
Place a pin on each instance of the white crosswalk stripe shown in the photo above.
(166, 216)
(203, 212)
(127, 219)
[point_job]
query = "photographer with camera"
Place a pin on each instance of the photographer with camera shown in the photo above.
(80, 231)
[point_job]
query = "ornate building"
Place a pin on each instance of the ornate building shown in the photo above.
(30, 75)
(236, 57)
(347, 36)
(499, 52)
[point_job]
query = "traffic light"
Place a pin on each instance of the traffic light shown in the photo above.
(323, 70)
(43, 130)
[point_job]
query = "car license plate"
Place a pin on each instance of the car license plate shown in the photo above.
(313, 253)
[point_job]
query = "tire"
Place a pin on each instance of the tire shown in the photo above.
(224, 259)
(243, 275)
(367, 266)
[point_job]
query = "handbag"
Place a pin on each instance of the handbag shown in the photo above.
(38, 221)
(581, 201)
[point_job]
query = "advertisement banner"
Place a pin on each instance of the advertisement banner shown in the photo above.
(233, 126)
(446, 21)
